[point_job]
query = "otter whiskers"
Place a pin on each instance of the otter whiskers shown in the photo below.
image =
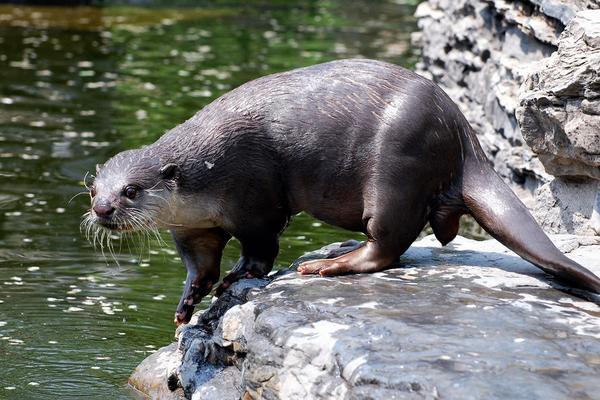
(131, 223)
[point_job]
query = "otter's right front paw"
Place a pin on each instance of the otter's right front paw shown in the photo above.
(189, 299)
(184, 314)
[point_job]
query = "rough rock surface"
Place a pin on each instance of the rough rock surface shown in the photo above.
(559, 115)
(581, 199)
(151, 376)
(560, 105)
(481, 51)
(467, 321)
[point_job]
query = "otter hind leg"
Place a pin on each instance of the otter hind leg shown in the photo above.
(367, 258)
(391, 230)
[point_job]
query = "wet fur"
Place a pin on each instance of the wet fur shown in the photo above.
(360, 144)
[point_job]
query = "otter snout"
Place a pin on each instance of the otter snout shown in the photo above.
(104, 210)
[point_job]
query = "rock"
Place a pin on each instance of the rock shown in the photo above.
(560, 103)
(207, 369)
(469, 321)
(152, 375)
(582, 199)
(559, 114)
(564, 10)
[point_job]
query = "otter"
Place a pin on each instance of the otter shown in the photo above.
(360, 144)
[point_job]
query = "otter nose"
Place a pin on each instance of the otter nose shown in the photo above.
(104, 210)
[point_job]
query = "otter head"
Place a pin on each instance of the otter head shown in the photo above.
(132, 191)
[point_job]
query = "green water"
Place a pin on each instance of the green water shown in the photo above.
(78, 85)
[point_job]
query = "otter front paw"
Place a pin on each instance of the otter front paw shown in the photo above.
(191, 296)
(184, 314)
(232, 278)
(246, 267)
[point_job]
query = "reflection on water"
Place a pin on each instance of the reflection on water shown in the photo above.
(80, 84)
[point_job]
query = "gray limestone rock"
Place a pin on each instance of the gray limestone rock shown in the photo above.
(207, 369)
(151, 377)
(560, 104)
(466, 321)
(559, 114)
(582, 199)
(564, 10)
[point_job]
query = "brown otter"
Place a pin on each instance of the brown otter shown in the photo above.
(360, 144)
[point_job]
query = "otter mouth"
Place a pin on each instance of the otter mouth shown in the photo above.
(113, 226)
(103, 231)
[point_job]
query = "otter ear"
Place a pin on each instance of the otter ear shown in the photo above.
(170, 171)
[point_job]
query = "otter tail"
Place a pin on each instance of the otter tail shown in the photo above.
(500, 212)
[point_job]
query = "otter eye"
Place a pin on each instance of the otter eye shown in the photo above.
(130, 192)
(93, 192)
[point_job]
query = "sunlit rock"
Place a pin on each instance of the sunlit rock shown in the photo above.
(559, 116)
(467, 321)
(560, 110)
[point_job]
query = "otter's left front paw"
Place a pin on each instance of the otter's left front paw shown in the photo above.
(246, 267)
(232, 278)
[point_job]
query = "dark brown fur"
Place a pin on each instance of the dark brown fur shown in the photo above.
(359, 144)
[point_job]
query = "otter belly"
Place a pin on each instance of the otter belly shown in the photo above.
(342, 207)
(328, 186)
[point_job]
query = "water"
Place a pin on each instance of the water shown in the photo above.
(78, 85)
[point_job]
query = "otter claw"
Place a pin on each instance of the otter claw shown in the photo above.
(190, 298)
(232, 278)
(184, 316)
(222, 287)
